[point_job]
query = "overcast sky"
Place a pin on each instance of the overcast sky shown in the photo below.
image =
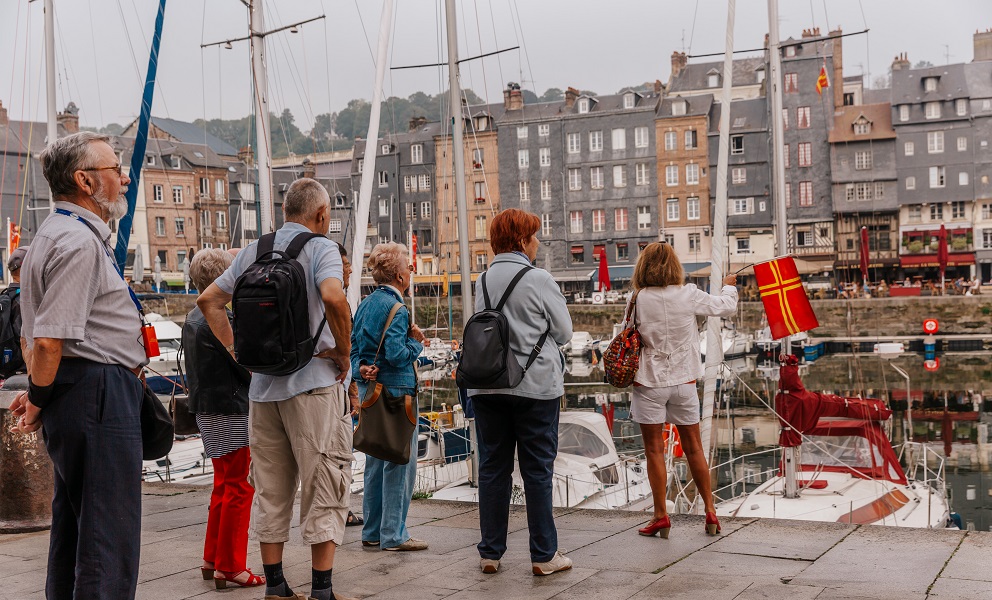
(102, 48)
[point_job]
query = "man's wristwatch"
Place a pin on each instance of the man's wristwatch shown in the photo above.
(230, 348)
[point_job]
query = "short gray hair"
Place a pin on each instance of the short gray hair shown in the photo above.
(304, 198)
(387, 261)
(62, 158)
(208, 265)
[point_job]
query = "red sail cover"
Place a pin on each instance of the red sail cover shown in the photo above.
(800, 410)
(784, 298)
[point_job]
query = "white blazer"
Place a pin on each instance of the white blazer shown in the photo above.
(666, 320)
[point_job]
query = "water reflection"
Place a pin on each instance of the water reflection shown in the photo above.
(744, 424)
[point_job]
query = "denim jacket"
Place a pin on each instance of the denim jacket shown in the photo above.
(399, 351)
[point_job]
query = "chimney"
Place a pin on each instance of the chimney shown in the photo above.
(570, 95)
(247, 156)
(69, 119)
(516, 97)
(658, 87)
(3, 115)
(811, 33)
(309, 169)
(679, 61)
(900, 62)
(417, 122)
(983, 45)
(837, 80)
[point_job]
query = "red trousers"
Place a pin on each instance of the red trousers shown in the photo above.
(226, 544)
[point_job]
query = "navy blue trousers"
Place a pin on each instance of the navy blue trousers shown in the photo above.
(505, 424)
(93, 434)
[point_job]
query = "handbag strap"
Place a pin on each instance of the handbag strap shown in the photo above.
(632, 308)
(389, 321)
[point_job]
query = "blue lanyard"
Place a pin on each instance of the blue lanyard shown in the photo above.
(134, 297)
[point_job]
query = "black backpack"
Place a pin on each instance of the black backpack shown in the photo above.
(487, 361)
(271, 314)
(11, 360)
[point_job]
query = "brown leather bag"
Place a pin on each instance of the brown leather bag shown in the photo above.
(385, 422)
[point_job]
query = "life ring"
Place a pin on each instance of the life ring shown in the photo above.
(671, 432)
(930, 326)
(454, 344)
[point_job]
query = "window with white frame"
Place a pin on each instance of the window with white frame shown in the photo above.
(792, 83)
(935, 142)
(788, 196)
(205, 219)
(738, 175)
(596, 178)
(695, 242)
(574, 179)
(863, 191)
(598, 220)
(523, 158)
(737, 144)
(386, 148)
(411, 211)
(177, 162)
(670, 239)
(641, 174)
(249, 218)
(987, 238)
(544, 157)
(417, 153)
(962, 144)
(425, 209)
(911, 183)
(158, 193)
(221, 219)
(180, 227)
(574, 143)
(177, 194)
(932, 110)
(671, 175)
(987, 212)
(961, 106)
(524, 191)
(672, 209)
(713, 80)
(480, 227)
(620, 219)
(671, 141)
(407, 179)
(478, 158)
(619, 141)
(805, 193)
(595, 141)
(930, 84)
(692, 208)
(786, 156)
(643, 217)
(849, 192)
(692, 174)
(334, 226)
(804, 238)
(937, 179)
(160, 226)
(480, 192)
(879, 190)
(915, 213)
(384, 207)
(957, 210)
(575, 221)
(522, 132)
(546, 225)
(383, 179)
(204, 186)
(678, 108)
(544, 130)
(862, 160)
(622, 252)
(619, 176)
(641, 137)
(802, 117)
(862, 127)
(424, 182)
(690, 139)
(741, 206)
(361, 164)
(785, 119)
(936, 211)
(908, 149)
(545, 189)
(963, 178)
(903, 112)
(583, 105)
(805, 154)
(628, 100)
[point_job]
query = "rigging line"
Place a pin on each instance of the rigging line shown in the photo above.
(799, 43)
(471, 71)
(66, 64)
(146, 46)
(478, 32)
(692, 32)
(499, 61)
(130, 45)
(6, 136)
(523, 42)
(25, 114)
(459, 61)
(299, 81)
(327, 68)
(826, 15)
(96, 67)
(278, 100)
(365, 32)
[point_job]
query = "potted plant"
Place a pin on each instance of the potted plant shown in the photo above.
(915, 247)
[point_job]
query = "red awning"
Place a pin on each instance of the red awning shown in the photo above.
(959, 259)
(598, 249)
(578, 249)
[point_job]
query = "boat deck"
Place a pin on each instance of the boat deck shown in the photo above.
(753, 558)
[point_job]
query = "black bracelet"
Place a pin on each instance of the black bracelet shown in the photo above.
(40, 395)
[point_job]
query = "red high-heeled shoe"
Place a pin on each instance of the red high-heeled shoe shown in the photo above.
(661, 526)
(712, 524)
(221, 579)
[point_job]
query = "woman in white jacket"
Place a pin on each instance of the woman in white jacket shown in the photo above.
(665, 384)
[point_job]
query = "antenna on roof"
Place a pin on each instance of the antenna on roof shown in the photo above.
(683, 39)
(947, 54)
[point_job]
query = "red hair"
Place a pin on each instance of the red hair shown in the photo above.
(511, 228)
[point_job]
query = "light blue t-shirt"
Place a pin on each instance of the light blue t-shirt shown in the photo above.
(320, 258)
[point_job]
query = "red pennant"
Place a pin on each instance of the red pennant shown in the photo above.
(782, 293)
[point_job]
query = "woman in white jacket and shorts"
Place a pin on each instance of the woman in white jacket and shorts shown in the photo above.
(665, 385)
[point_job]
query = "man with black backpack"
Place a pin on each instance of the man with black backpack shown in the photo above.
(292, 329)
(11, 360)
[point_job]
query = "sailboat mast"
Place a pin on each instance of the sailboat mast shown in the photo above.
(458, 154)
(714, 341)
(368, 171)
(53, 127)
(256, 26)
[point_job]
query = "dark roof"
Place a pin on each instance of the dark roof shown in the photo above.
(190, 133)
(21, 137)
(877, 96)
(907, 84)
(694, 76)
(534, 112)
(979, 77)
(880, 116)
(754, 113)
(695, 106)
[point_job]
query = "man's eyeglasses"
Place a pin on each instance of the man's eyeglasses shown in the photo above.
(118, 168)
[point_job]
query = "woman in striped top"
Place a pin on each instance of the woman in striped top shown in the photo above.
(218, 395)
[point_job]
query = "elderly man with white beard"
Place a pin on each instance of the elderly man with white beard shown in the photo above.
(82, 328)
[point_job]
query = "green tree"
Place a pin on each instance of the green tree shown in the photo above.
(552, 95)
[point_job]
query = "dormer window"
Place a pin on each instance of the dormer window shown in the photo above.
(150, 160)
(385, 148)
(930, 84)
(583, 105)
(678, 108)
(862, 126)
(176, 162)
(790, 51)
(760, 74)
(481, 124)
(713, 80)
(628, 100)
(339, 199)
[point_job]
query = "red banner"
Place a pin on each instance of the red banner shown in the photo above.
(14, 237)
(822, 81)
(782, 293)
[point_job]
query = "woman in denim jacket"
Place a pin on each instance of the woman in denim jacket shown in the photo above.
(388, 486)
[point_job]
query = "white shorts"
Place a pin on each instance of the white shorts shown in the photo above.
(676, 404)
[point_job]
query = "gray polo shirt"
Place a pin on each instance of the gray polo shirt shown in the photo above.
(71, 290)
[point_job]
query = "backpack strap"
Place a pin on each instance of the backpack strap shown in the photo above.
(485, 291)
(266, 245)
(506, 294)
(301, 239)
(537, 349)
(509, 288)
(389, 321)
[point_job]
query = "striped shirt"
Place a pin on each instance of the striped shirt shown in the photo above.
(222, 434)
(71, 291)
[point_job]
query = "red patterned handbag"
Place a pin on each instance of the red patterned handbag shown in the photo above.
(623, 355)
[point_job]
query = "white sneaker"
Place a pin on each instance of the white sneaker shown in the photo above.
(489, 566)
(559, 562)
